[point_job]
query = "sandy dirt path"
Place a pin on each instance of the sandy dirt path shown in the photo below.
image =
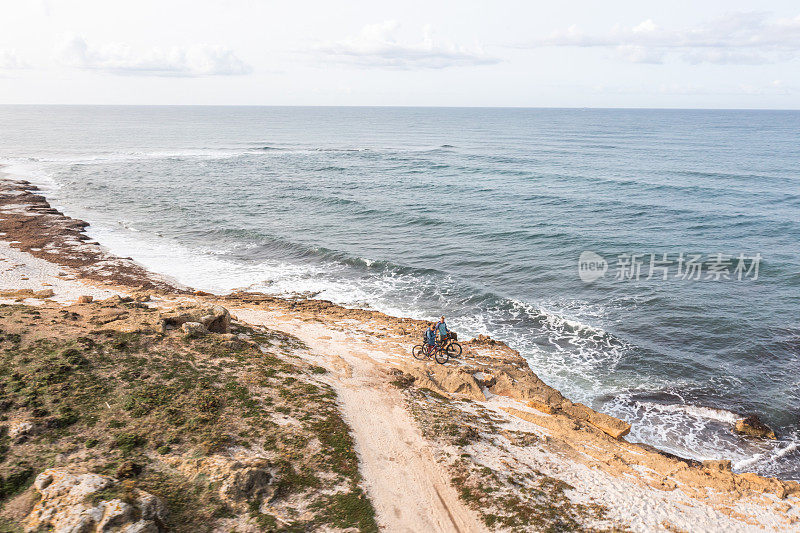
(408, 488)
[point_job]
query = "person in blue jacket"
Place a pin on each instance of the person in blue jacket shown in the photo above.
(443, 332)
(430, 337)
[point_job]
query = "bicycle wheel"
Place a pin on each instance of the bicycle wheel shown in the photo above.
(419, 352)
(440, 356)
(453, 349)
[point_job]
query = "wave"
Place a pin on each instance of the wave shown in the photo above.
(579, 344)
(269, 149)
(736, 176)
(696, 431)
(41, 165)
(767, 457)
(709, 413)
(283, 267)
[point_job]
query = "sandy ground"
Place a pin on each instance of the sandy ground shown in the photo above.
(408, 487)
(410, 491)
(21, 270)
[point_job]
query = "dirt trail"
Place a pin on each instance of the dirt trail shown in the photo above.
(408, 488)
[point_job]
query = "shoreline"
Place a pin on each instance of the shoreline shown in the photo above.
(491, 381)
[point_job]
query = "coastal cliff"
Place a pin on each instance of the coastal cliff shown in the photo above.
(132, 404)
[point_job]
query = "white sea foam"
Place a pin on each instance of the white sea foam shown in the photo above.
(720, 415)
(766, 457)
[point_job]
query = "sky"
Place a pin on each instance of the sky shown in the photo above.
(676, 54)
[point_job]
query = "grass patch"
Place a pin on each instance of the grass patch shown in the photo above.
(138, 404)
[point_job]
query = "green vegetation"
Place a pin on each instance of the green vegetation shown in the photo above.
(17, 477)
(151, 408)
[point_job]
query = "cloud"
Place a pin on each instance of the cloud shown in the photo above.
(772, 88)
(377, 46)
(736, 38)
(639, 54)
(9, 60)
(195, 61)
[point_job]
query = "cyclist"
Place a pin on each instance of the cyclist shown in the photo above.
(430, 337)
(443, 332)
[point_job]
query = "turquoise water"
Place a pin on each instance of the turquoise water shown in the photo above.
(481, 215)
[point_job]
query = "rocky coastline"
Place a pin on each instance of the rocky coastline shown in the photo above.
(504, 451)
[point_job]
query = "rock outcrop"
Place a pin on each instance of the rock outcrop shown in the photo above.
(445, 379)
(193, 329)
(609, 425)
(214, 318)
(67, 506)
(462, 382)
(18, 431)
(523, 384)
(513, 382)
(752, 426)
(29, 223)
(22, 294)
(240, 479)
(483, 339)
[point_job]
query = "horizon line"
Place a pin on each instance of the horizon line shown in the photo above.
(575, 108)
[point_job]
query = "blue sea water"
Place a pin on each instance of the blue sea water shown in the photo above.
(481, 215)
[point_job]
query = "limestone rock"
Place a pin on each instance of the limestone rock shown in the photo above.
(484, 339)
(539, 406)
(522, 384)
(66, 507)
(109, 315)
(753, 426)
(446, 380)
(19, 431)
(722, 465)
(611, 426)
(458, 381)
(218, 320)
(422, 378)
(240, 479)
(614, 427)
(484, 379)
(576, 410)
(46, 293)
(214, 318)
(193, 329)
(143, 297)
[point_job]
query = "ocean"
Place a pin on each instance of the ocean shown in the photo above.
(681, 316)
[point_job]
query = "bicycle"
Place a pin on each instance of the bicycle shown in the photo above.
(425, 351)
(449, 344)
(453, 349)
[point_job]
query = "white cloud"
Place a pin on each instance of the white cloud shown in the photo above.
(377, 45)
(737, 38)
(195, 61)
(9, 60)
(775, 87)
(640, 54)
